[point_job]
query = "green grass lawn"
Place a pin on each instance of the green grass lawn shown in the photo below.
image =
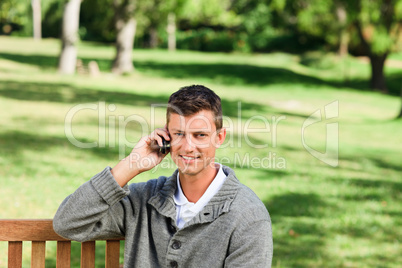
(322, 216)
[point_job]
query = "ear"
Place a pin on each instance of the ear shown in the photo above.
(220, 137)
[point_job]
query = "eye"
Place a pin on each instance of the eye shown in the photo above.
(201, 135)
(179, 134)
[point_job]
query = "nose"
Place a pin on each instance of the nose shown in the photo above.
(188, 145)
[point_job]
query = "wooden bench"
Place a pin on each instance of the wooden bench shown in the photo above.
(40, 231)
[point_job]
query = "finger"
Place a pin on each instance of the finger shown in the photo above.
(165, 128)
(163, 132)
(156, 137)
(154, 145)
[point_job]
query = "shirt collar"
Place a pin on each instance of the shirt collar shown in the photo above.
(180, 199)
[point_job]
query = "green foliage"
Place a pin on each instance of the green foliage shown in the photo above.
(256, 23)
(18, 15)
(96, 21)
(209, 12)
(206, 39)
(255, 27)
(315, 18)
(52, 19)
(14, 11)
(382, 41)
(15, 17)
(154, 14)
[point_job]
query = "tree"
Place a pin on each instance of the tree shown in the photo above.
(68, 55)
(125, 25)
(378, 25)
(37, 19)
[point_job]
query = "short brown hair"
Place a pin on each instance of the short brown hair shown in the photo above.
(192, 99)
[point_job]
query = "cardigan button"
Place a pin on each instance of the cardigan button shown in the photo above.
(174, 264)
(176, 244)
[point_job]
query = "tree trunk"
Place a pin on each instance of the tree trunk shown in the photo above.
(400, 112)
(344, 43)
(343, 33)
(171, 30)
(68, 56)
(37, 19)
(125, 25)
(153, 37)
(377, 72)
(377, 62)
(124, 46)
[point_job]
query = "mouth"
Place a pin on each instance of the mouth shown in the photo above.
(188, 158)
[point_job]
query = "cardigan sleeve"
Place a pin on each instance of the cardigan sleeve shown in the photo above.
(251, 246)
(94, 211)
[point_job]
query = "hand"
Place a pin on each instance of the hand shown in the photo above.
(144, 156)
(146, 153)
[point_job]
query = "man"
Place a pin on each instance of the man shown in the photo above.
(201, 216)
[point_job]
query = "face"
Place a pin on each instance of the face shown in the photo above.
(194, 141)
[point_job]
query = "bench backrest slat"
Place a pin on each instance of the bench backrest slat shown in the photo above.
(38, 254)
(112, 260)
(88, 254)
(63, 254)
(40, 231)
(14, 254)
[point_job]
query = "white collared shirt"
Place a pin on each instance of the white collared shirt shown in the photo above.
(186, 210)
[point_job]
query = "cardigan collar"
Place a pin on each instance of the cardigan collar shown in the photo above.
(220, 203)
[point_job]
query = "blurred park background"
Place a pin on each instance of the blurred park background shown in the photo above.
(267, 59)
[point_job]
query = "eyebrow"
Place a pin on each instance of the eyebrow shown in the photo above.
(176, 130)
(195, 132)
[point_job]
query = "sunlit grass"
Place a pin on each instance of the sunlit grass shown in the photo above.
(323, 216)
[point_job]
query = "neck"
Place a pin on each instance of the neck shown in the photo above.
(194, 186)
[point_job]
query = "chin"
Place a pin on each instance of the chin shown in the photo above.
(189, 171)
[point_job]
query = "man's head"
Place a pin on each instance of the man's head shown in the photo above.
(193, 99)
(194, 123)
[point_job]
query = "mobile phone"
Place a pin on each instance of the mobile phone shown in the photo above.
(165, 148)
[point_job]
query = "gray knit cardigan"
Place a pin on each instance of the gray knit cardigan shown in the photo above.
(233, 229)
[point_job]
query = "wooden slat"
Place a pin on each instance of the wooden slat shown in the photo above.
(28, 230)
(38, 254)
(88, 254)
(112, 254)
(63, 258)
(14, 254)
